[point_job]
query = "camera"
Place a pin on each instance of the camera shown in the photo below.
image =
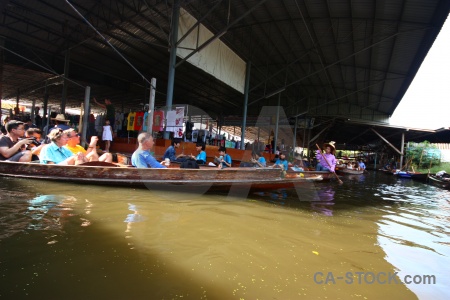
(34, 141)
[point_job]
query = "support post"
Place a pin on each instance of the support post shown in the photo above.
(151, 106)
(65, 82)
(244, 113)
(402, 149)
(387, 142)
(275, 136)
(173, 57)
(87, 96)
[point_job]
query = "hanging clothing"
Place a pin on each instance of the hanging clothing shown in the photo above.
(139, 120)
(131, 120)
(158, 120)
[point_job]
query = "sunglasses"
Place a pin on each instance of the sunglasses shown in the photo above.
(74, 135)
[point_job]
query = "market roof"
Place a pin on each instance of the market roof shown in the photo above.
(325, 60)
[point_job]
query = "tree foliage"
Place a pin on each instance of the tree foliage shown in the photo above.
(423, 155)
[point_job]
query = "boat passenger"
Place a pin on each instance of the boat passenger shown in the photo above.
(362, 165)
(259, 159)
(201, 156)
(61, 122)
(73, 144)
(142, 158)
(11, 148)
(281, 162)
(56, 153)
(3, 127)
(327, 161)
(224, 160)
(171, 152)
(37, 143)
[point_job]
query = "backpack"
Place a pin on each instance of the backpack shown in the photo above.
(189, 164)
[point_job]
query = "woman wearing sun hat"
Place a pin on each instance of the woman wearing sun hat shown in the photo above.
(327, 161)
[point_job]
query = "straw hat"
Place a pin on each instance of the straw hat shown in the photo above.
(331, 145)
(60, 117)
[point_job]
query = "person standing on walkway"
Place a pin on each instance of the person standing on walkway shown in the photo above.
(110, 112)
(107, 135)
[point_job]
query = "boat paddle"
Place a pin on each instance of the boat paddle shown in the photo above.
(337, 177)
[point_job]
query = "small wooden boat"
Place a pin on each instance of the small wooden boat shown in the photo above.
(101, 173)
(412, 175)
(346, 171)
(440, 181)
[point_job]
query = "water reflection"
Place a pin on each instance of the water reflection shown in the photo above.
(324, 201)
(268, 245)
(49, 212)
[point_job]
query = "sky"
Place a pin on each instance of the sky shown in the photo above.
(426, 103)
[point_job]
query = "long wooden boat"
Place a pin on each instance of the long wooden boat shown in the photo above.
(440, 181)
(412, 175)
(345, 171)
(113, 175)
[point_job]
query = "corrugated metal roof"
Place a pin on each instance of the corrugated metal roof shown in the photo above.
(331, 59)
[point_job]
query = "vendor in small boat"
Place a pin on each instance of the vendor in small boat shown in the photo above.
(326, 161)
(281, 162)
(11, 148)
(224, 160)
(56, 153)
(362, 165)
(142, 158)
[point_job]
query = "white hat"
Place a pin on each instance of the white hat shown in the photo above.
(60, 117)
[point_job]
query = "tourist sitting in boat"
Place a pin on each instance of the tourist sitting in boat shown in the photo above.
(201, 156)
(281, 162)
(11, 148)
(326, 161)
(73, 144)
(224, 160)
(170, 152)
(258, 159)
(142, 158)
(61, 122)
(3, 126)
(362, 165)
(37, 143)
(56, 153)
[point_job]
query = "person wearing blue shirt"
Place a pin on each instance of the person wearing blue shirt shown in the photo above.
(362, 165)
(259, 159)
(282, 162)
(201, 156)
(142, 158)
(171, 152)
(224, 159)
(56, 153)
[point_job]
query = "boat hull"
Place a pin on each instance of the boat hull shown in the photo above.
(434, 180)
(349, 172)
(411, 175)
(113, 175)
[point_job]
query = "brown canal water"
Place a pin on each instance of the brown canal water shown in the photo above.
(374, 236)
